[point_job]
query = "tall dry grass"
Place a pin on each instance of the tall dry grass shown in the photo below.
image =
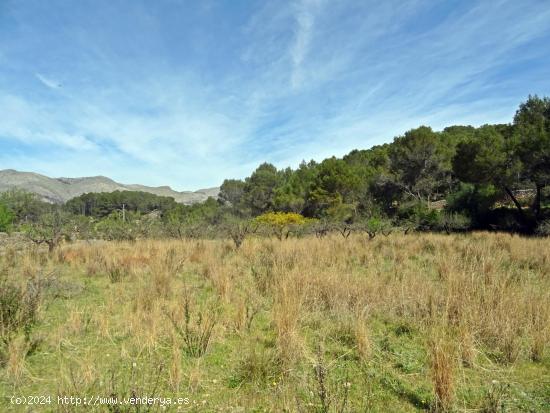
(488, 286)
(484, 294)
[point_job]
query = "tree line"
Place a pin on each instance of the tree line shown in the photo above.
(462, 178)
(490, 177)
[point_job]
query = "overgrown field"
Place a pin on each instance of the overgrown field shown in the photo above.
(399, 323)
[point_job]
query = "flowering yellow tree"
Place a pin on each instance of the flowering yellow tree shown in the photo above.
(282, 223)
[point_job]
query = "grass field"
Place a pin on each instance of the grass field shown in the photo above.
(393, 324)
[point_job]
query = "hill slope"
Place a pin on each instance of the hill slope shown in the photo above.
(59, 190)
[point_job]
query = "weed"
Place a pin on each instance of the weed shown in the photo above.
(330, 395)
(195, 330)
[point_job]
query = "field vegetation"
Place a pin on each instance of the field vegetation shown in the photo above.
(403, 322)
(410, 276)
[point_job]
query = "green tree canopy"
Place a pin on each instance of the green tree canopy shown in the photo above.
(102, 204)
(232, 191)
(26, 206)
(335, 185)
(532, 139)
(488, 158)
(420, 164)
(260, 188)
(291, 195)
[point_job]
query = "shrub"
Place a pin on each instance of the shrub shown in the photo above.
(375, 225)
(18, 310)
(419, 216)
(11, 303)
(257, 365)
(113, 228)
(51, 229)
(6, 218)
(281, 224)
(18, 306)
(195, 330)
(239, 230)
(474, 201)
(543, 228)
(455, 221)
(116, 273)
(328, 392)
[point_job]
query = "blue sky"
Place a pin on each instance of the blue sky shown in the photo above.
(187, 93)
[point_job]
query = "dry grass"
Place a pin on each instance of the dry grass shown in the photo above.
(228, 323)
(442, 366)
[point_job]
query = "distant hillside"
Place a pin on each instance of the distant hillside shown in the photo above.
(60, 190)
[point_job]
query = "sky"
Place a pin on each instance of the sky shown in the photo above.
(189, 93)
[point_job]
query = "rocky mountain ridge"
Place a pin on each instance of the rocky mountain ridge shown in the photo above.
(60, 190)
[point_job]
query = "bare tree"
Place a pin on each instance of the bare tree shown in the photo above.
(50, 229)
(345, 230)
(239, 230)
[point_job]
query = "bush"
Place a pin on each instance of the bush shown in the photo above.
(281, 224)
(455, 221)
(375, 225)
(51, 229)
(113, 228)
(25, 206)
(257, 365)
(6, 218)
(238, 230)
(18, 310)
(418, 216)
(473, 201)
(194, 328)
(18, 306)
(543, 228)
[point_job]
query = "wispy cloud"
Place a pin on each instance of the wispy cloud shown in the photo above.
(52, 84)
(174, 94)
(304, 15)
(34, 125)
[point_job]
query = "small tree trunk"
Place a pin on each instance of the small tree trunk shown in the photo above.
(516, 203)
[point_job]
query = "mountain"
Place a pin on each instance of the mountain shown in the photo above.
(59, 190)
